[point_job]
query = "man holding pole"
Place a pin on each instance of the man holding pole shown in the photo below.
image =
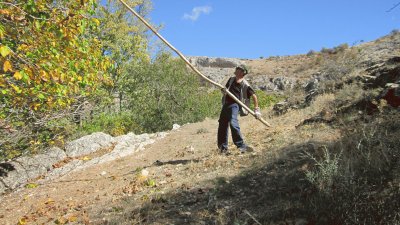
(230, 110)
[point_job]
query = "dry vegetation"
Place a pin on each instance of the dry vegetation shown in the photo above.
(334, 161)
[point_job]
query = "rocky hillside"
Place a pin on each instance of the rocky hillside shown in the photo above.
(330, 158)
(280, 73)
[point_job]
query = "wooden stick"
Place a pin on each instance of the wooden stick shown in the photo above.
(191, 66)
(251, 216)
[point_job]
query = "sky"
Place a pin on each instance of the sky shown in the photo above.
(262, 28)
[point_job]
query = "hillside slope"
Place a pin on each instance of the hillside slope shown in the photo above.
(186, 162)
(334, 160)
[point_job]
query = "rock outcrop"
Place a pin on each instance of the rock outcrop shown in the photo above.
(220, 69)
(56, 162)
(19, 171)
(88, 144)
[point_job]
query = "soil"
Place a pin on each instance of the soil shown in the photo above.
(170, 181)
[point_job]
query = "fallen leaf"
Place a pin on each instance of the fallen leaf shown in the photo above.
(86, 158)
(72, 219)
(22, 221)
(49, 201)
(32, 185)
(61, 220)
(150, 183)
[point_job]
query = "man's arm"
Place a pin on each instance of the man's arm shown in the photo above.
(255, 100)
(256, 108)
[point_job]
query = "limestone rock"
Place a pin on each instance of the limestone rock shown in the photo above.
(17, 172)
(88, 144)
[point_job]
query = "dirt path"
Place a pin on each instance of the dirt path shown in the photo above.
(71, 196)
(185, 161)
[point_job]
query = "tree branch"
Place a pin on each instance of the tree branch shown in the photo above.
(25, 13)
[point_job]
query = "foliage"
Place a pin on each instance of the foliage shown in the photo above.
(112, 123)
(124, 40)
(50, 63)
(265, 100)
(47, 56)
(165, 92)
(355, 177)
(323, 178)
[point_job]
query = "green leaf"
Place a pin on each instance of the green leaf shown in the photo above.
(41, 96)
(31, 185)
(2, 32)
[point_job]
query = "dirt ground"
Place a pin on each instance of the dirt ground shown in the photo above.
(181, 179)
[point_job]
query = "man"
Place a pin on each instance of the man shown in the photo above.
(230, 110)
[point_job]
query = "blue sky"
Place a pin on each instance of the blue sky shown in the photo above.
(255, 28)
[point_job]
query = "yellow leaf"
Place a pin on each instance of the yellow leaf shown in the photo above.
(22, 47)
(18, 75)
(96, 21)
(4, 12)
(7, 66)
(44, 76)
(4, 51)
(61, 220)
(21, 221)
(36, 106)
(86, 158)
(16, 88)
(72, 219)
(49, 201)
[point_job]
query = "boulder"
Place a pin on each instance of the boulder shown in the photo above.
(88, 144)
(312, 85)
(281, 107)
(19, 171)
(384, 73)
(283, 83)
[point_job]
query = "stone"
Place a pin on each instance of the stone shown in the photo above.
(175, 127)
(88, 144)
(312, 85)
(281, 107)
(17, 172)
(283, 83)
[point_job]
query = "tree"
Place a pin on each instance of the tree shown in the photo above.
(49, 60)
(124, 39)
(166, 92)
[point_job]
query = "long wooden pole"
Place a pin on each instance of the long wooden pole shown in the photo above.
(191, 66)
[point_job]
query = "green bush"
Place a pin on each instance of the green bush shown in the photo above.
(114, 124)
(266, 100)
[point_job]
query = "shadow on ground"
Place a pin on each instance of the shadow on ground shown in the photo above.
(278, 191)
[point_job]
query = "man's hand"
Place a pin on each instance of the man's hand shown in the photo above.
(257, 112)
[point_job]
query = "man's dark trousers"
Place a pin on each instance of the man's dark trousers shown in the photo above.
(229, 117)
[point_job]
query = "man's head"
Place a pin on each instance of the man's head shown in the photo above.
(241, 70)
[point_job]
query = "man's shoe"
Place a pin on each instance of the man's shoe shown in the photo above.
(246, 149)
(224, 151)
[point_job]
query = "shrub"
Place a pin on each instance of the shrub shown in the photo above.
(266, 100)
(327, 50)
(311, 52)
(354, 177)
(327, 170)
(113, 123)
